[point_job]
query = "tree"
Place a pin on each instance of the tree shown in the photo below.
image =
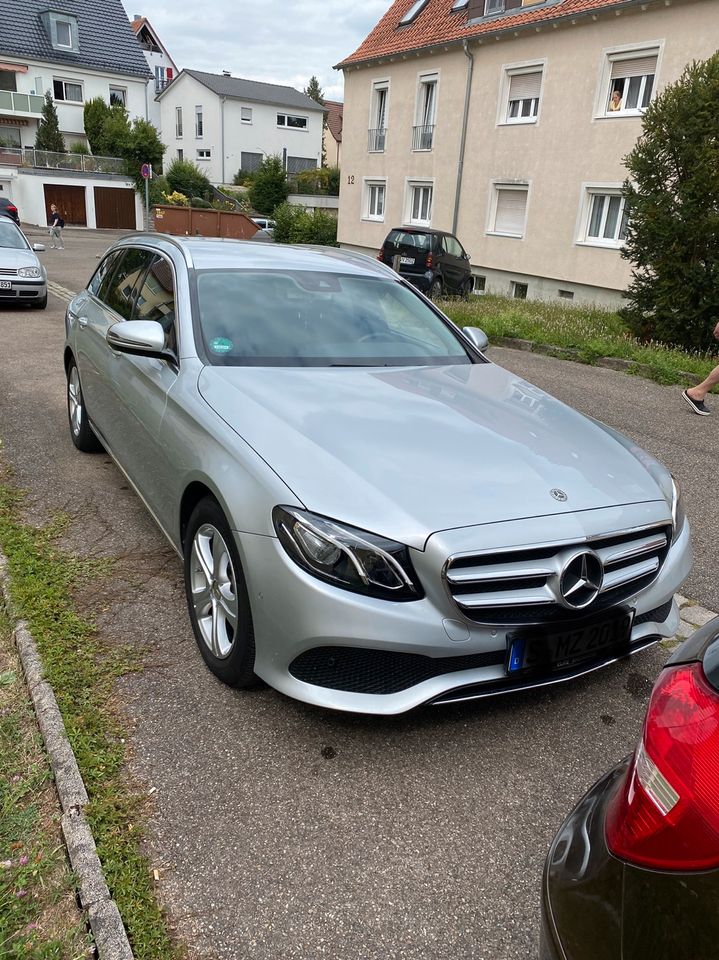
(94, 115)
(115, 132)
(269, 186)
(314, 90)
(673, 202)
(295, 225)
(143, 145)
(184, 176)
(48, 136)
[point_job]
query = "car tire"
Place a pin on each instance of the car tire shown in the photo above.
(42, 304)
(435, 290)
(467, 288)
(217, 598)
(83, 436)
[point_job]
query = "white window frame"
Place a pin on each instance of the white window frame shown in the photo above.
(244, 119)
(610, 55)
(286, 126)
(52, 20)
(199, 122)
(410, 186)
(64, 82)
(121, 92)
(426, 79)
(371, 184)
(413, 12)
(495, 186)
(207, 151)
(57, 22)
(589, 192)
(179, 131)
(377, 85)
(510, 70)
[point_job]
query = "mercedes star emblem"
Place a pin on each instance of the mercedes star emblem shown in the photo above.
(581, 580)
(559, 495)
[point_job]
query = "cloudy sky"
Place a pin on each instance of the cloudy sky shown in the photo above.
(273, 40)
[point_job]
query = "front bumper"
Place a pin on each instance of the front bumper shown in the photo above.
(23, 291)
(445, 657)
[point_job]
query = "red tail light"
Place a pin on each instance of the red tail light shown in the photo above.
(11, 208)
(666, 814)
(429, 262)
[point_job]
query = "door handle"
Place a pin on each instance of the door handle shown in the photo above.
(82, 321)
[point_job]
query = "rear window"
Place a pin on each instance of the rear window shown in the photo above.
(404, 238)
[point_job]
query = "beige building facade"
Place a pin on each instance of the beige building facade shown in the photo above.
(542, 116)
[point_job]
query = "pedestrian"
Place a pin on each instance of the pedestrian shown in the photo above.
(56, 227)
(694, 396)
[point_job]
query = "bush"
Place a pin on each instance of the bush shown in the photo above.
(269, 186)
(201, 203)
(323, 181)
(81, 149)
(673, 199)
(296, 225)
(243, 178)
(186, 177)
(159, 188)
(176, 199)
(142, 145)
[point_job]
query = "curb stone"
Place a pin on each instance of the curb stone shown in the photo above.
(106, 923)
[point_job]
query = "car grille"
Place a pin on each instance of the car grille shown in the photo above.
(8, 272)
(517, 585)
(359, 670)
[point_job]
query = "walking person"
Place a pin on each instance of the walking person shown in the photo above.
(695, 396)
(56, 227)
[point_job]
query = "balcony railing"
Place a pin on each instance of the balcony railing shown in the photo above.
(21, 102)
(161, 85)
(423, 137)
(29, 157)
(376, 140)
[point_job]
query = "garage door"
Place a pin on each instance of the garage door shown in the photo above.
(115, 208)
(70, 201)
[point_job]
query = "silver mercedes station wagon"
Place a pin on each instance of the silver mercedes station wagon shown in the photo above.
(371, 514)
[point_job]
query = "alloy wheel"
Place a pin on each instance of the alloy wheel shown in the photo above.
(214, 591)
(74, 401)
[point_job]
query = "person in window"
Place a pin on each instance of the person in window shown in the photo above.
(694, 396)
(56, 224)
(615, 102)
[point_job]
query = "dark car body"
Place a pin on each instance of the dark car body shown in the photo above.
(433, 260)
(8, 209)
(596, 906)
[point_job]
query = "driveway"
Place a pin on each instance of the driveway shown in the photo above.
(280, 830)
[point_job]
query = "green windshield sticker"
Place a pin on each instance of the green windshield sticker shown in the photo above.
(221, 345)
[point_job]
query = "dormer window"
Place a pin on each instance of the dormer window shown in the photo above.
(459, 5)
(413, 12)
(61, 29)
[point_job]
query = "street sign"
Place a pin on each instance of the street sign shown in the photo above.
(146, 171)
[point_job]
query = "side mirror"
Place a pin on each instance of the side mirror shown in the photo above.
(478, 338)
(143, 338)
(38, 247)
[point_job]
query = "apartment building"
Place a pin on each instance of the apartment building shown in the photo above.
(506, 122)
(161, 64)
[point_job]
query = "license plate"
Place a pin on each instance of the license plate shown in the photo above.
(406, 259)
(566, 646)
(5, 285)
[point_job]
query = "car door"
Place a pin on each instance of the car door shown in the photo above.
(454, 263)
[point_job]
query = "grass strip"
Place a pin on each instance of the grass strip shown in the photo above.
(591, 331)
(82, 671)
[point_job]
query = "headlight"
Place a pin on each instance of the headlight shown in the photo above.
(30, 272)
(347, 557)
(678, 514)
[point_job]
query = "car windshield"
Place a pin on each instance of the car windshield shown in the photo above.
(307, 318)
(401, 238)
(10, 236)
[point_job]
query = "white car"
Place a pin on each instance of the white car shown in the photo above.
(22, 277)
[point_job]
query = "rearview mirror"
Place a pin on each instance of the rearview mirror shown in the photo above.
(477, 337)
(38, 247)
(143, 338)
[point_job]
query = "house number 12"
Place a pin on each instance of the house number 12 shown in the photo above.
(350, 180)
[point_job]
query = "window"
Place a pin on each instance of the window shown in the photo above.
(566, 294)
(459, 5)
(493, 6)
(63, 34)
(180, 153)
(480, 284)
(67, 90)
(423, 131)
(198, 122)
(605, 217)
(204, 154)
(628, 82)
(10, 136)
(413, 12)
(98, 284)
(419, 207)
(156, 299)
(523, 87)
(250, 161)
(120, 295)
(118, 96)
(519, 290)
(378, 117)
(298, 164)
(294, 123)
(509, 209)
(453, 247)
(376, 192)
(61, 29)
(246, 114)
(178, 121)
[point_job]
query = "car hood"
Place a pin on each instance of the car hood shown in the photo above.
(13, 259)
(405, 452)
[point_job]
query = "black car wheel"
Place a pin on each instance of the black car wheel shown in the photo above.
(467, 288)
(217, 598)
(435, 290)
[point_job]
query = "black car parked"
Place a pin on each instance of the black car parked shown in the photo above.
(434, 261)
(8, 209)
(634, 872)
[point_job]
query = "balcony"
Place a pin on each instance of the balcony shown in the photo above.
(29, 157)
(423, 137)
(28, 104)
(161, 85)
(376, 140)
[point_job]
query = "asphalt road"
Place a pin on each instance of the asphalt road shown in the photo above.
(281, 830)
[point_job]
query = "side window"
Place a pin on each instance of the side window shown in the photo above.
(120, 296)
(156, 299)
(99, 283)
(454, 248)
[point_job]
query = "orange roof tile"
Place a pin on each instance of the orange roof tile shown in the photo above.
(437, 24)
(138, 24)
(334, 118)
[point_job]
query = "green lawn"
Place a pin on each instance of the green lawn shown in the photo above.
(591, 331)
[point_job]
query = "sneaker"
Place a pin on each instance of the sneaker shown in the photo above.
(698, 406)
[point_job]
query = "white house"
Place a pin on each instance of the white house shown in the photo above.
(161, 65)
(225, 124)
(88, 51)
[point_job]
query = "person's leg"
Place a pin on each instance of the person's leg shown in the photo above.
(52, 237)
(703, 388)
(60, 241)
